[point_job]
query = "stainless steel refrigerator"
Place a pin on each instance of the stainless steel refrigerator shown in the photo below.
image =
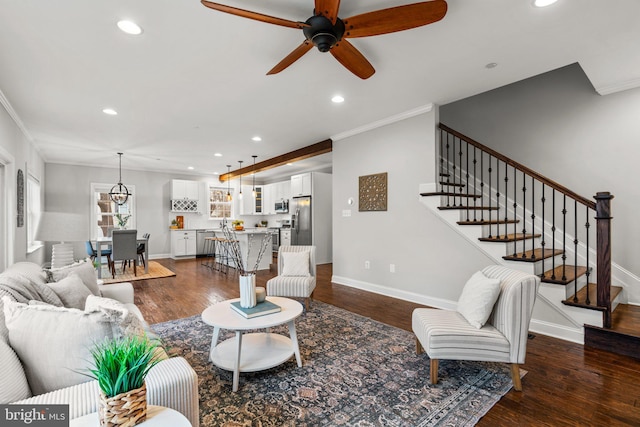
(300, 210)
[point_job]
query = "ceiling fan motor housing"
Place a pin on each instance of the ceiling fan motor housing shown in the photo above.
(322, 33)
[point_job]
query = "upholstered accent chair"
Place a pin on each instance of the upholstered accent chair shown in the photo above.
(449, 335)
(296, 273)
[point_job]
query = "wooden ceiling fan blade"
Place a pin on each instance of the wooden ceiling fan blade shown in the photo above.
(394, 19)
(328, 9)
(292, 57)
(253, 15)
(352, 59)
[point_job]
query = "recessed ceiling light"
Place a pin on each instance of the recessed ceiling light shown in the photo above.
(191, 168)
(256, 139)
(129, 27)
(337, 99)
(543, 3)
(289, 164)
(110, 111)
(491, 65)
(218, 154)
(216, 173)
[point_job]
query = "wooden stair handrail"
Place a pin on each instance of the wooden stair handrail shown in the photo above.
(562, 189)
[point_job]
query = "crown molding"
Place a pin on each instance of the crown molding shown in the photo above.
(12, 113)
(383, 122)
(618, 87)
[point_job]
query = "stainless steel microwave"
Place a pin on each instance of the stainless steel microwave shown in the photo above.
(282, 206)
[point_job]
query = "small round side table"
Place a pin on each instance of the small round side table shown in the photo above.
(157, 416)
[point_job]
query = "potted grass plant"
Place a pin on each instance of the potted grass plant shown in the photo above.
(120, 367)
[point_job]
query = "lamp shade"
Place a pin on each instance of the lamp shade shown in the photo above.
(62, 227)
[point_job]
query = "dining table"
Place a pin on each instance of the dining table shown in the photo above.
(107, 241)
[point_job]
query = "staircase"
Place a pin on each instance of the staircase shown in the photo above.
(524, 220)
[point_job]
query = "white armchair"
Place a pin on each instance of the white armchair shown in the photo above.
(448, 335)
(296, 273)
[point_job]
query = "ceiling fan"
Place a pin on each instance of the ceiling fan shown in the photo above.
(328, 32)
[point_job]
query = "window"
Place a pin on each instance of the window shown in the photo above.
(103, 213)
(33, 212)
(219, 207)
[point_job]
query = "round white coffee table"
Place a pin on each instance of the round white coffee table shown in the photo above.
(157, 416)
(255, 351)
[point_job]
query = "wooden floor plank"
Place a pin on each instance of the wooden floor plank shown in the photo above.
(566, 384)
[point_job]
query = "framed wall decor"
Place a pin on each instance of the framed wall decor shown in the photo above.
(20, 198)
(372, 192)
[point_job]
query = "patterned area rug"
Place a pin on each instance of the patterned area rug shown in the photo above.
(156, 271)
(356, 372)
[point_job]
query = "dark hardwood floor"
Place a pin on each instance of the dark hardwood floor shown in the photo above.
(566, 384)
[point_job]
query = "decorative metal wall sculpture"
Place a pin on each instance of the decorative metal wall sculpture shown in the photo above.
(373, 192)
(20, 197)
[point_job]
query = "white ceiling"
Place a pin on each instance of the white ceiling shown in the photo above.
(194, 83)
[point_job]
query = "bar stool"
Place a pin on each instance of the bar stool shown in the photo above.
(209, 251)
(223, 254)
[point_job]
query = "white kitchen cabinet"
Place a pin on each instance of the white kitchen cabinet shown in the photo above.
(249, 205)
(301, 185)
(183, 243)
(268, 194)
(184, 189)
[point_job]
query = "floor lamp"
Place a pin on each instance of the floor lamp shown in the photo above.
(62, 227)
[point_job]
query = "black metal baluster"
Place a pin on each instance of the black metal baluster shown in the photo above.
(497, 198)
(454, 168)
(466, 175)
(588, 266)
(575, 249)
(533, 217)
(524, 213)
(543, 242)
(515, 212)
(441, 177)
(490, 187)
(475, 185)
(448, 174)
(506, 200)
(564, 238)
(482, 187)
(553, 235)
(460, 173)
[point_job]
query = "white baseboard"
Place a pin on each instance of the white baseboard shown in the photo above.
(395, 293)
(557, 331)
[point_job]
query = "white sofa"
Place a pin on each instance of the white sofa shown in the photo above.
(172, 382)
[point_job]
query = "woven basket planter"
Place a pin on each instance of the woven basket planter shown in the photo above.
(125, 409)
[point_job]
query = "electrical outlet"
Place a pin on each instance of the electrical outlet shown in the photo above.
(367, 265)
(392, 268)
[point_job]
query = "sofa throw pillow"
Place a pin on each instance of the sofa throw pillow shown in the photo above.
(295, 264)
(71, 291)
(83, 268)
(14, 385)
(478, 297)
(54, 343)
(129, 322)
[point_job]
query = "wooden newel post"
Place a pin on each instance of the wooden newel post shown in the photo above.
(603, 245)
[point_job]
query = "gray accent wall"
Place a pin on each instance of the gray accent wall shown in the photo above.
(432, 261)
(556, 124)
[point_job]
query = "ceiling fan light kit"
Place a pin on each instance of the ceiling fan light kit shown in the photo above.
(328, 32)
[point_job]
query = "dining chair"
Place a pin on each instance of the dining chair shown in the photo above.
(124, 248)
(93, 254)
(142, 247)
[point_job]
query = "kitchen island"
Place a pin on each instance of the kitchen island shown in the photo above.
(251, 242)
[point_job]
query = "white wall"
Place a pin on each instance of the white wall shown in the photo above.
(16, 146)
(432, 261)
(68, 189)
(558, 125)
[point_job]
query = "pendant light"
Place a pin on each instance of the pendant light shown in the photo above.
(254, 176)
(240, 169)
(119, 192)
(228, 183)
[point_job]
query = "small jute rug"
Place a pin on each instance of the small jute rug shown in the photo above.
(356, 372)
(156, 271)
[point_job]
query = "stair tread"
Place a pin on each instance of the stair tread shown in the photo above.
(570, 274)
(508, 237)
(487, 222)
(581, 297)
(451, 193)
(533, 255)
(452, 184)
(448, 208)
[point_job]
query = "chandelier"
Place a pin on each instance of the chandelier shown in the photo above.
(119, 192)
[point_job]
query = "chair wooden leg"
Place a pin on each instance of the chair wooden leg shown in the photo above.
(515, 376)
(307, 304)
(419, 348)
(433, 374)
(135, 263)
